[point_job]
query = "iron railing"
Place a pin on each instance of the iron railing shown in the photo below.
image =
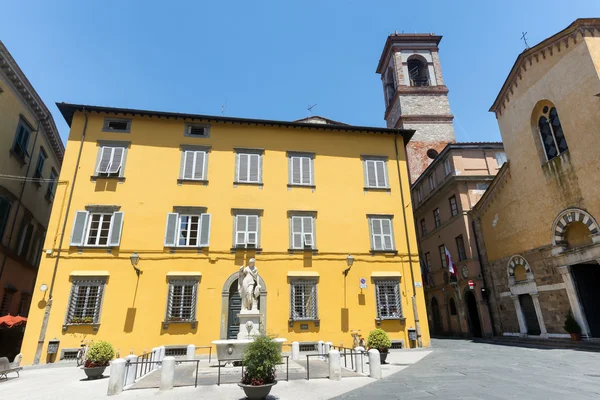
(287, 368)
(209, 351)
(308, 362)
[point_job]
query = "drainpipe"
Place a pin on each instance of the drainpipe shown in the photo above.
(412, 275)
(12, 228)
(488, 287)
(42, 338)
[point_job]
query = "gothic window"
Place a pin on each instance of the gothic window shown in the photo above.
(551, 133)
(417, 70)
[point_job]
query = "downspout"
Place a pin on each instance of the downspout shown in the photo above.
(42, 338)
(487, 287)
(12, 229)
(410, 263)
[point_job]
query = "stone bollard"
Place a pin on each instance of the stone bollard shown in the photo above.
(374, 364)
(190, 353)
(131, 371)
(162, 353)
(116, 380)
(320, 347)
(167, 373)
(358, 359)
(335, 365)
(154, 358)
(328, 347)
(295, 351)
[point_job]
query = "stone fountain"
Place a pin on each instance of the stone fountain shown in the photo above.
(249, 316)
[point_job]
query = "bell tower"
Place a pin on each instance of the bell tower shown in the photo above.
(416, 97)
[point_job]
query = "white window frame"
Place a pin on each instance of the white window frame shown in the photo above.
(307, 239)
(388, 301)
(380, 220)
(174, 312)
(189, 230)
(377, 184)
(306, 300)
(88, 228)
(432, 182)
(194, 154)
(96, 307)
(419, 194)
(306, 166)
(447, 166)
(245, 243)
(248, 175)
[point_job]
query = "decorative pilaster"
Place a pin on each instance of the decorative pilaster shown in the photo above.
(576, 307)
(538, 313)
(520, 316)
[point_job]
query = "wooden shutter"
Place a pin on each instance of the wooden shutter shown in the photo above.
(386, 229)
(204, 230)
(306, 171)
(297, 232)
(370, 179)
(78, 233)
(381, 174)
(116, 227)
(171, 230)
(243, 167)
(307, 231)
(296, 171)
(254, 168)
(241, 223)
(104, 161)
(376, 236)
(117, 160)
(188, 165)
(199, 165)
(252, 231)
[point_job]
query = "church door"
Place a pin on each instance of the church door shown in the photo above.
(235, 306)
(474, 323)
(437, 318)
(531, 320)
(587, 280)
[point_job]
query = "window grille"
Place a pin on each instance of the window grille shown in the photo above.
(181, 303)
(303, 300)
(85, 302)
(396, 345)
(437, 218)
(388, 299)
(117, 125)
(381, 234)
(308, 347)
(70, 355)
(301, 170)
(196, 130)
(175, 351)
(376, 174)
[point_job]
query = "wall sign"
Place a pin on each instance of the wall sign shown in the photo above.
(363, 283)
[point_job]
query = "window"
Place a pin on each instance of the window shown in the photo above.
(122, 125)
(24, 304)
(460, 245)
(6, 301)
(423, 227)
(443, 256)
(453, 206)
(40, 164)
(303, 300)
(390, 85)
(4, 213)
(447, 167)
(432, 181)
(249, 167)
(187, 230)
(85, 301)
(110, 161)
(419, 194)
(452, 306)
(51, 184)
(500, 158)
(97, 229)
(428, 261)
(375, 171)
(197, 130)
(482, 186)
(246, 230)
(382, 237)
(417, 71)
(301, 169)
(194, 165)
(551, 133)
(22, 139)
(387, 294)
(181, 302)
(302, 232)
(436, 217)
(25, 239)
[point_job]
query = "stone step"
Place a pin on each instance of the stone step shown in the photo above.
(544, 343)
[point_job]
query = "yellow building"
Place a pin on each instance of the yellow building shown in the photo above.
(195, 197)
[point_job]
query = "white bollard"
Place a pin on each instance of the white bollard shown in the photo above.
(116, 380)
(358, 359)
(163, 352)
(374, 364)
(328, 347)
(167, 373)
(131, 371)
(295, 351)
(154, 358)
(190, 353)
(335, 365)
(320, 346)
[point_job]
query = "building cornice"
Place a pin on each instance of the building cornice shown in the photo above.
(492, 191)
(409, 41)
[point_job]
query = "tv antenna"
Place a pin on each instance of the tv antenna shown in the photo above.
(223, 107)
(310, 109)
(525, 40)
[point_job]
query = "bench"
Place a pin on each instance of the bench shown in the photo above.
(7, 367)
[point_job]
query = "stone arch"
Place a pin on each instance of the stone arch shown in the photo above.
(567, 217)
(547, 130)
(515, 261)
(418, 70)
(225, 303)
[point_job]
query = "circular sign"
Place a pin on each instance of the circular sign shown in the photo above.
(363, 281)
(44, 287)
(471, 284)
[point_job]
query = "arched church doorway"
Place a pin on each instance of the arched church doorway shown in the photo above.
(587, 282)
(437, 318)
(231, 305)
(473, 313)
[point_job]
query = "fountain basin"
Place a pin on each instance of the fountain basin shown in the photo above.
(233, 349)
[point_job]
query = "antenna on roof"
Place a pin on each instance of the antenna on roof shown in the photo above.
(223, 107)
(310, 109)
(525, 40)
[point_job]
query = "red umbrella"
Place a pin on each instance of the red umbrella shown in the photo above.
(12, 321)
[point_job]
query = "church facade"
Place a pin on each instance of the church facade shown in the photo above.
(538, 221)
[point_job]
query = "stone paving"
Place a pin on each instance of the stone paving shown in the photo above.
(462, 369)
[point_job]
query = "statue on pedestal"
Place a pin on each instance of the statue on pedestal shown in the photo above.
(249, 287)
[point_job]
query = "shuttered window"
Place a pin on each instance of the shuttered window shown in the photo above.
(301, 169)
(303, 300)
(22, 140)
(85, 301)
(39, 167)
(382, 237)
(387, 293)
(97, 229)
(246, 230)
(181, 301)
(194, 165)
(4, 213)
(184, 230)
(51, 185)
(302, 232)
(248, 168)
(375, 171)
(110, 161)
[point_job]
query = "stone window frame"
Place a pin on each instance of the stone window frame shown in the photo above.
(107, 121)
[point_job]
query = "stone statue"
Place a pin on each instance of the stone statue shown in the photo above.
(249, 287)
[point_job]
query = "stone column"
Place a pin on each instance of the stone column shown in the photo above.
(574, 302)
(335, 365)
(295, 351)
(190, 352)
(520, 316)
(374, 364)
(116, 380)
(538, 313)
(328, 347)
(131, 371)
(167, 373)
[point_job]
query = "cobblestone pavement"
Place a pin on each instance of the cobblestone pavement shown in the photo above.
(462, 369)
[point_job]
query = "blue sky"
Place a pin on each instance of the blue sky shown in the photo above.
(269, 59)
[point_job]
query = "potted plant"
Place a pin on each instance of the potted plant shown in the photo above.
(378, 339)
(97, 358)
(260, 359)
(572, 327)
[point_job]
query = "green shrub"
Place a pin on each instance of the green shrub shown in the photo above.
(260, 358)
(99, 355)
(378, 339)
(571, 324)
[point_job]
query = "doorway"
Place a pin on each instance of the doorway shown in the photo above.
(474, 323)
(235, 306)
(437, 318)
(531, 319)
(587, 281)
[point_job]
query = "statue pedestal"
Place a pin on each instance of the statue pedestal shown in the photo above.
(249, 324)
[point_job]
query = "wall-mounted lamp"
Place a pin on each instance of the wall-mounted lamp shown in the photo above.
(349, 262)
(135, 258)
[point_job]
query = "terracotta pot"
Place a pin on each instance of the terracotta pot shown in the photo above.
(575, 336)
(383, 357)
(257, 392)
(95, 372)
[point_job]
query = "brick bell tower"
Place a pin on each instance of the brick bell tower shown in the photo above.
(416, 97)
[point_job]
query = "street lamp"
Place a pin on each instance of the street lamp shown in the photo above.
(349, 262)
(135, 258)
